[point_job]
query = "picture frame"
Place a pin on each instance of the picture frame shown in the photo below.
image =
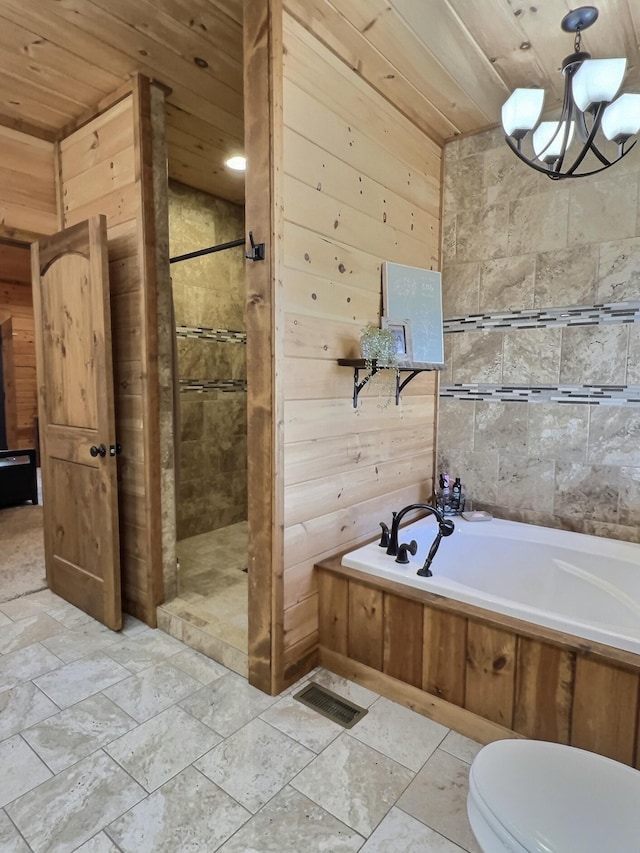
(401, 330)
(416, 294)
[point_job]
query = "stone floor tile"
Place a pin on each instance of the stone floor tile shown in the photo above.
(198, 666)
(349, 690)
(438, 798)
(21, 608)
(399, 733)
(188, 814)
(227, 704)
(23, 706)
(10, 839)
(152, 690)
(75, 681)
(254, 763)
(144, 649)
(27, 631)
(302, 723)
(68, 809)
(462, 747)
(354, 782)
(157, 750)
(71, 735)
(132, 626)
(25, 664)
(291, 823)
(100, 843)
(81, 641)
(22, 770)
(4, 620)
(401, 833)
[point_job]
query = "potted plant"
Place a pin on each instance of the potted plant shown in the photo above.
(378, 347)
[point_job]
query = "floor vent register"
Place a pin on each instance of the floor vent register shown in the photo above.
(330, 705)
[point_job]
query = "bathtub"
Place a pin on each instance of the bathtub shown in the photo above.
(586, 586)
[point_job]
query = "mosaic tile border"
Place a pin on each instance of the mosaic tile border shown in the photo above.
(227, 336)
(576, 315)
(602, 395)
(204, 385)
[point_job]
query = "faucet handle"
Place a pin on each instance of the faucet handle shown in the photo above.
(411, 547)
(384, 539)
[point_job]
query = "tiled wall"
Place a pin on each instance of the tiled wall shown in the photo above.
(210, 292)
(514, 241)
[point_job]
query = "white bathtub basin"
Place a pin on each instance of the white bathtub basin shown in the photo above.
(584, 585)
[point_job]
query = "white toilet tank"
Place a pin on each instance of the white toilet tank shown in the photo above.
(540, 797)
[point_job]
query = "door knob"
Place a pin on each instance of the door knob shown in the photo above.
(101, 450)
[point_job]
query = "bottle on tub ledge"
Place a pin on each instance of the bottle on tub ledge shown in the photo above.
(450, 499)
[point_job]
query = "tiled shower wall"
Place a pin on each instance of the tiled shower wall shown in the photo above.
(515, 241)
(209, 292)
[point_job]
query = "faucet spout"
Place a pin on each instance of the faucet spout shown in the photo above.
(445, 528)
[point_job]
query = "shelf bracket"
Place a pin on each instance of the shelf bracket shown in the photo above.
(359, 364)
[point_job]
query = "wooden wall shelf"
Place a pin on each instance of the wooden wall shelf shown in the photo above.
(359, 364)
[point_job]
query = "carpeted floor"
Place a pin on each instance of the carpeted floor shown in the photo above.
(21, 552)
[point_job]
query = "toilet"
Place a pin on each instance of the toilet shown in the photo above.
(529, 796)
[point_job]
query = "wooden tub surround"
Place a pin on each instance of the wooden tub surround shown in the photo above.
(486, 675)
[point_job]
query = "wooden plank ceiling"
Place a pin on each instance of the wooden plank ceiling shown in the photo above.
(447, 64)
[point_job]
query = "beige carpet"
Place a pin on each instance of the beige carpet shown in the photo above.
(21, 552)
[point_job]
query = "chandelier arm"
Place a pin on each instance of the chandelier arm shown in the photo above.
(524, 159)
(565, 120)
(593, 171)
(588, 145)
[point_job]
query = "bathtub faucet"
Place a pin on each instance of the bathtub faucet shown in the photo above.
(445, 528)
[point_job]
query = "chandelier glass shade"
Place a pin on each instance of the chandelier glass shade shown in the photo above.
(591, 114)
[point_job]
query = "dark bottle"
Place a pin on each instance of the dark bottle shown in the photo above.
(456, 494)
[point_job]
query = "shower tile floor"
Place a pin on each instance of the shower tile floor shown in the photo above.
(132, 742)
(210, 610)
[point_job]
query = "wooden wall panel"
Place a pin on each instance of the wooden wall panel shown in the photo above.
(104, 168)
(490, 677)
(402, 639)
(360, 185)
(334, 618)
(444, 655)
(28, 202)
(365, 632)
(608, 727)
(544, 691)
(19, 351)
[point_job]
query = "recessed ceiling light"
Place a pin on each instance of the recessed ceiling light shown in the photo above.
(237, 163)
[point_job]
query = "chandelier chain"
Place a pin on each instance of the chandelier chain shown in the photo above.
(578, 38)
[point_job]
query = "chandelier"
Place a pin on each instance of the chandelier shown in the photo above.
(589, 113)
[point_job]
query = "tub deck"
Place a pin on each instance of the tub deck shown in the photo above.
(486, 674)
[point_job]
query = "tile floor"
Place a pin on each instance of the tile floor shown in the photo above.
(134, 742)
(210, 610)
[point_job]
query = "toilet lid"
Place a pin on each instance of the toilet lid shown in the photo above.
(552, 798)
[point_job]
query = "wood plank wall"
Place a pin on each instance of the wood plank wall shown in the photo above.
(19, 350)
(360, 184)
(28, 203)
(486, 675)
(102, 170)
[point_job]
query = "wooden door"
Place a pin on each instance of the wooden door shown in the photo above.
(77, 427)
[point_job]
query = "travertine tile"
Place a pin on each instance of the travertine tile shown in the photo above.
(254, 763)
(566, 277)
(499, 425)
(22, 770)
(507, 284)
(438, 798)
(152, 690)
(505, 177)
(198, 666)
(100, 843)
(4, 620)
(189, 813)
(301, 723)
(227, 704)
(71, 735)
(290, 823)
(538, 223)
(10, 839)
(633, 356)
(558, 432)
(399, 733)
(27, 631)
(478, 471)
(81, 641)
(482, 234)
(614, 436)
(477, 357)
(68, 809)
(601, 209)
(532, 357)
(593, 355)
(457, 423)
(23, 706)
(25, 664)
(144, 650)
(463, 187)
(586, 491)
(462, 747)
(525, 483)
(629, 496)
(401, 833)
(354, 782)
(84, 677)
(619, 271)
(20, 608)
(349, 690)
(162, 747)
